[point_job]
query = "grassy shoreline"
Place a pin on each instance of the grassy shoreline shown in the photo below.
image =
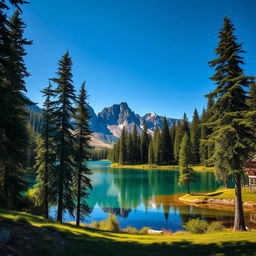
(85, 241)
(221, 197)
(161, 167)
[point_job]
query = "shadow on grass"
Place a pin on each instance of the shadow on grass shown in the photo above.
(88, 245)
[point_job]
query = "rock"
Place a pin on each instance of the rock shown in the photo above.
(4, 236)
(152, 231)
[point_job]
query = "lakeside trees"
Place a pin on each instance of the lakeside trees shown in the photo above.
(13, 129)
(63, 176)
(233, 129)
(187, 175)
(82, 133)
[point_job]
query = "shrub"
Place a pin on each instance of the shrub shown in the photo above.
(95, 224)
(215, 226)
(144, 230)
(196, 226)
(110, 224)
(130, 229)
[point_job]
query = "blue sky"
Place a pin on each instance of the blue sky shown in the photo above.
(152, 54)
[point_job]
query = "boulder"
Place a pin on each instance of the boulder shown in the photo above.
(152, 231)
(4, 236)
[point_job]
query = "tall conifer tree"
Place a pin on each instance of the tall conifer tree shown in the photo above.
(166, 144)
(45, 158)
(14, 137)
(123, 147)
(64, 139)
(82, 182)
(233, 131)
(187, 175)
(195, 138)
(144, 144)
(252, 96)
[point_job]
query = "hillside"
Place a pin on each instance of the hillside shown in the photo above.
(32, 235)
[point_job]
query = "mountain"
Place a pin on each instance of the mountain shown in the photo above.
(117, 116)
(108, 124)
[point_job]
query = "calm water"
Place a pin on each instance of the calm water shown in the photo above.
(148, 197)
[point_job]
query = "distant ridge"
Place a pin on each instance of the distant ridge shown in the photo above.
(108, 124)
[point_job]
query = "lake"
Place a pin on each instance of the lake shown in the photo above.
(148, 198)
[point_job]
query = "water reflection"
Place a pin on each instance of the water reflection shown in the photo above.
(149, 197)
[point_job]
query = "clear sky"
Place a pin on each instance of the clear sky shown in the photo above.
(153, 54)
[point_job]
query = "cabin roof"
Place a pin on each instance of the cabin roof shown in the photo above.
(250, 167)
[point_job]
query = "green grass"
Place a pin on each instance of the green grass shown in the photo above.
(197, 168)
(84, 241)
(248, 196)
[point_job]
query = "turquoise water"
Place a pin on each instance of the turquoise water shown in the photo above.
(147, 197)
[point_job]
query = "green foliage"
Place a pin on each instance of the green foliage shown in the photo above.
(123, 147)
(100, 154)
(109, 224)
(13, 131)
(81, 180)
(95, 224)
(195, 138)
(144, 230)
(131, 230)
(233, 131)
(196, 226)
(144, 144)
(166, 156)
(215, 226)
(187, 175)
(45, 152)
(63, 137)
(251, 101)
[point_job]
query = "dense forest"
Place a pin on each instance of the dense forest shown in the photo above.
(45, 144)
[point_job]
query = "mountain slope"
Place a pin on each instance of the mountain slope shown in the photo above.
(108, 124)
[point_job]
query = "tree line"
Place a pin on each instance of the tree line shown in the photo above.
(162, 146)
(223, 136)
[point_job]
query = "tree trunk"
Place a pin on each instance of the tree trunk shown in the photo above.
(239, 224)
(46, 192)
(46, 178)
(60, 196)
(78, 196)
(226, 182)
(188, 187)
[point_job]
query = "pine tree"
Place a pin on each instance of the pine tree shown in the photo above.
(187, 175)
(45, 158)
(130, 148)
(156, 146)
(123, 147)
(144, 144)
(151, 158)
(14, 137)
(166, 144)
(82, 132)
(178, 137)
(136, 145)
(172, 134)
(206, 149)
(195, 138)
(252, 96)
(185, 126)
(233, 135)
(64, 139)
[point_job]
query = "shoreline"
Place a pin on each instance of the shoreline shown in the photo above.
(219, 200)
(161, 167)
